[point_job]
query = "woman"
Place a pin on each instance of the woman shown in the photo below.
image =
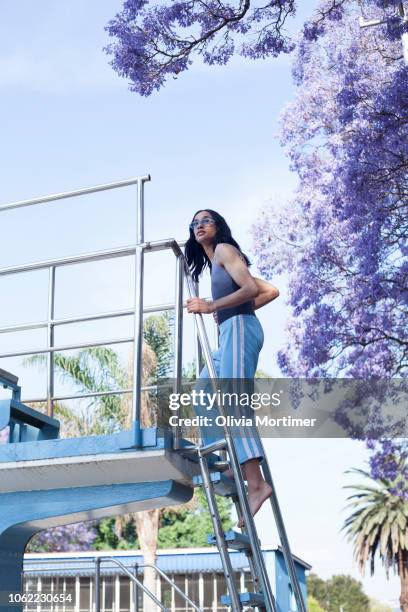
(236, 294)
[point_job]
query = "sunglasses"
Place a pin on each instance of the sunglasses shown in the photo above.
(205, 221)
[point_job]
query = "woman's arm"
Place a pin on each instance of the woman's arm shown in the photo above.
(267, 293)
(235, 265)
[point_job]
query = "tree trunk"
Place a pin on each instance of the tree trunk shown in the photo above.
(147, 525)
(403, 574)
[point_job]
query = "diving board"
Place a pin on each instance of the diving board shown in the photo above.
(50, 482)
(89, 461)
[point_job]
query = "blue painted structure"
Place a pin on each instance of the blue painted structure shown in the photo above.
(285, 599)
(36, 494)
(23, 513)
(24, 423)
(42, 495)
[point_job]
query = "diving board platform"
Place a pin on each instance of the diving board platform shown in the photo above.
(46, 481)
(51, 482)
(89, 461)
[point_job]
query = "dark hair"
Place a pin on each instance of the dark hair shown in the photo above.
(196, 257)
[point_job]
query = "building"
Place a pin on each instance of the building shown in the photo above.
(197, 572)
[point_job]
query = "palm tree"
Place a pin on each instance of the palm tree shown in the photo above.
(379, 524)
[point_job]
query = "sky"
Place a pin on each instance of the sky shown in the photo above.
(208, 139)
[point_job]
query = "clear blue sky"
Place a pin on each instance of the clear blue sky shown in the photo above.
(208, 140)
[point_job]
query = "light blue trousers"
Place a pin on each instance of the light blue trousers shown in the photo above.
(241, 340)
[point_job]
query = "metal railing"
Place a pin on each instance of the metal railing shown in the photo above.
(138, 583)
(127, 570)
(51, 322)
(172, 584)
(133, 578)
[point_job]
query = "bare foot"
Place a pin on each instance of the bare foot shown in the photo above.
(256, 498)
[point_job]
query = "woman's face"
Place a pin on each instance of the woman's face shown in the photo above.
(204, 227)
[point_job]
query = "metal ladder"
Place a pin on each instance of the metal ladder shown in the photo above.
(247, 541)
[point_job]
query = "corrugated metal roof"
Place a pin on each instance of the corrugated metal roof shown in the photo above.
(186, 562)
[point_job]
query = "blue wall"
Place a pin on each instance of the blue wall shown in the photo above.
(284, 601)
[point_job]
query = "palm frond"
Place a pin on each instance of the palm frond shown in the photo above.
(378, 522)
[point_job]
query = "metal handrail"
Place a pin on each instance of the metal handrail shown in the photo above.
(66, 347)
(99, 560)
(138, 310)
(173, 584)
(76, 192)
(126, 251)
(133, 578)
(69, 260)
(103, 393)
(52, 265)
(52, 322)
(85, 318)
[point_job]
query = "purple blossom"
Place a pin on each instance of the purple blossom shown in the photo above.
(346, 135)
(312, 31)
(75, 537)
(389, 462)
(153, 42)
(156, 41)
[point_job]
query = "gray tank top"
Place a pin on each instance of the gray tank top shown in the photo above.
(223, 284)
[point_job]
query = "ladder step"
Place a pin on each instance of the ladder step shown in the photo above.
(213, 447)
(190, 452)
(247, 599)
(234, 540)
(221, 484)
(220, 466)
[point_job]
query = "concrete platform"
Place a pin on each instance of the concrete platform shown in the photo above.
(46, 483)
(92, 461)
(96, 469)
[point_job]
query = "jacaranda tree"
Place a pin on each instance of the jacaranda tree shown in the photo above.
(157, 40)
(343, 238)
